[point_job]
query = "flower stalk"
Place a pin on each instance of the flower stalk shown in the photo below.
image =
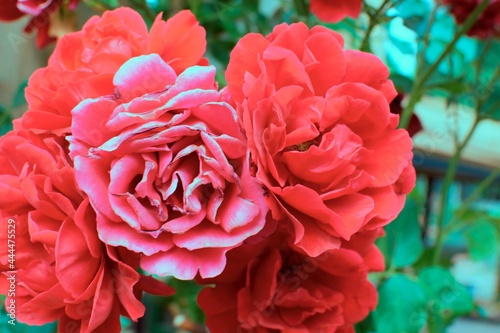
(418, 88)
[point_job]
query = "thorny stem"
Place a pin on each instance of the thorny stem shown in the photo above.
(445, 191)
(373, 22)
(418, 86)
(464, 206)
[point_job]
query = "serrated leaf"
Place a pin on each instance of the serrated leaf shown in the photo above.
(447, 299)
(401, 306)
(402, 245)
(482, 240)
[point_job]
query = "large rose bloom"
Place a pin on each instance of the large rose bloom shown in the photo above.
(488, 23)
(270, 288)
(165, 165)
(320, 132)
(335, 10)
(84, 63)
(63, 270)
(39, 10)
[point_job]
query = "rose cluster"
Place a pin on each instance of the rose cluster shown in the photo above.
(271, 191)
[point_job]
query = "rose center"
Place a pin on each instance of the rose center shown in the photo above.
(303, 146)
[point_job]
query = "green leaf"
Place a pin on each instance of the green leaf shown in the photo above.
(455, 87)
(367, 325)
(186, 297)
(401, 82)
(424, 260)
(126, 323)
(402, 245)
(5, 121)
(401, 306)
(19, 97)
(482, 240)
(103, 4)
(447, 299)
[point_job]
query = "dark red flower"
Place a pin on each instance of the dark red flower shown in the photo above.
(39, 11)
(335, 10)
(488, 24)
(415, 125)
(270, 288)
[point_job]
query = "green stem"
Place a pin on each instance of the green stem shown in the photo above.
(464, 205)
(176, 6)
(366, 40)
(489, 90)
(480, 60)
(142, 4)
(3, 117)
(301, 7)
(417, 90)
(381, 276)
(194, 5)
(469, 22)
(445, 191)
(365, 44)
(425, 42)
(407, 112)
(98, 6)
(492, 108)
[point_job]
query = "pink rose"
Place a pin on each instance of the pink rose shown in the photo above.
(165, 166)
(320, 132)
(84, 62)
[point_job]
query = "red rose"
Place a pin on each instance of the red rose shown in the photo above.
(165, 165)
(63, 271)
(336, 10)
(320, 132)
(488, 23)
(267, 288)
(83, 63)
(40, 10)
